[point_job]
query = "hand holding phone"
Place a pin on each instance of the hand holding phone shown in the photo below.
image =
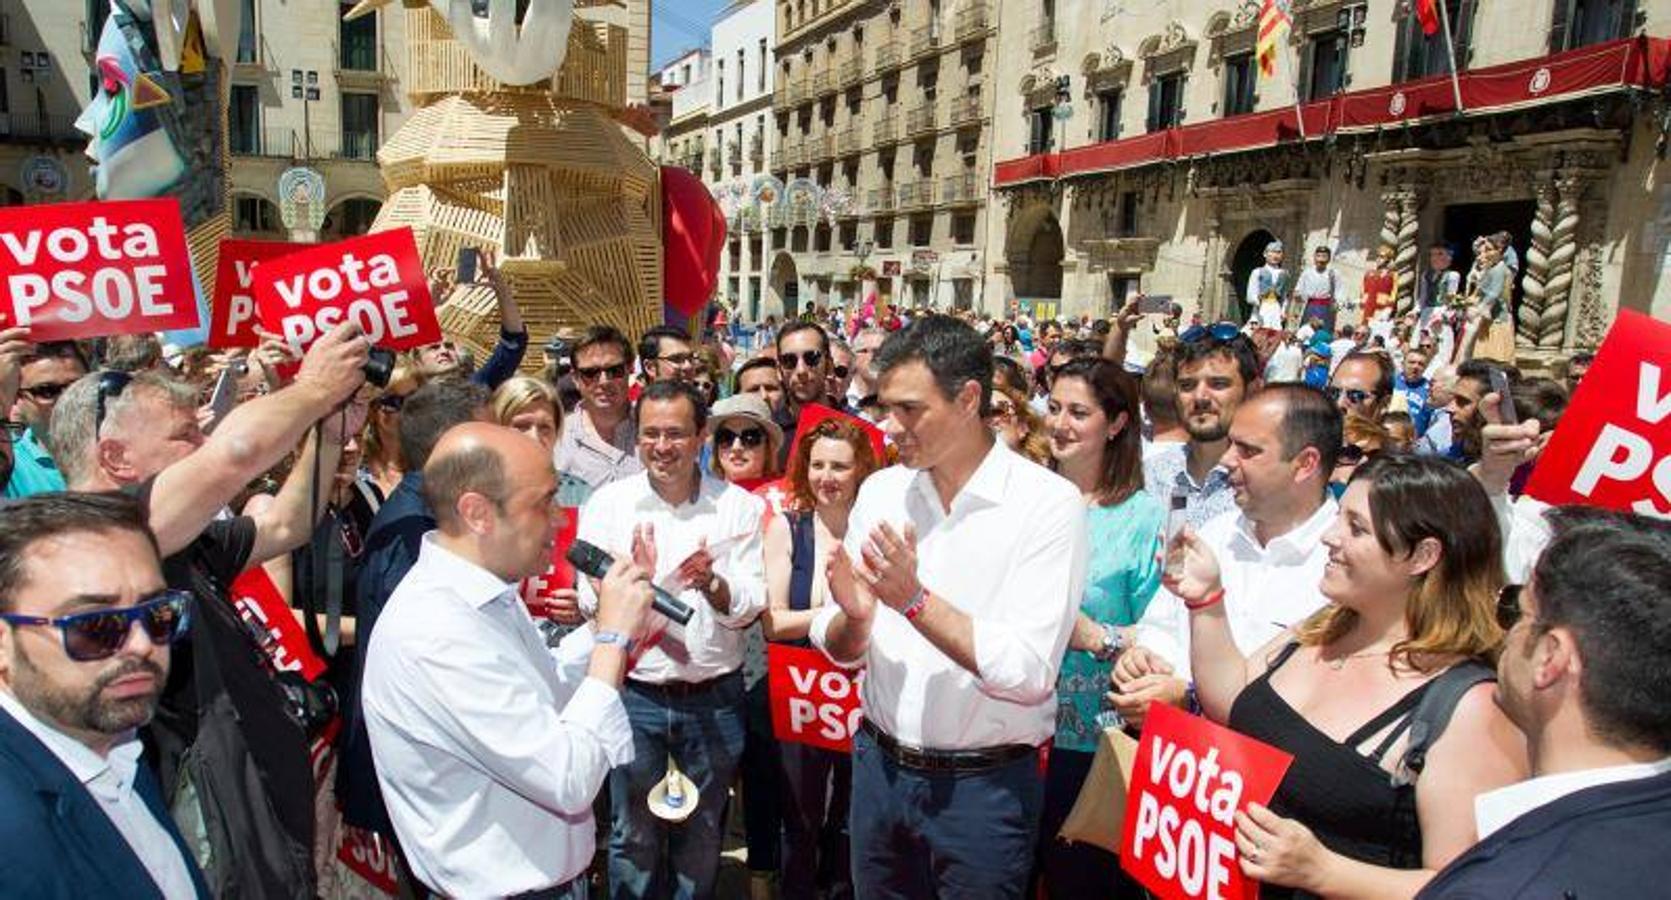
(1505, 400)
(1155, 304)
(467, 258)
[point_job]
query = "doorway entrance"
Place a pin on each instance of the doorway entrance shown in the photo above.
(1249, 255)
(1465, 221)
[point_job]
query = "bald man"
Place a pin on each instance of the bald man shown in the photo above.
(490, 748)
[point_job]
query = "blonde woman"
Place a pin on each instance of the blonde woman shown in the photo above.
(382, 463)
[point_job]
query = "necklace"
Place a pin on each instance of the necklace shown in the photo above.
(1339, 662)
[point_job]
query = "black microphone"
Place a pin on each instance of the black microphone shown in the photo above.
(595, 561)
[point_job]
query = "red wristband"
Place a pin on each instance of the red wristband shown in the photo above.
(915, 608)
(1209, 600)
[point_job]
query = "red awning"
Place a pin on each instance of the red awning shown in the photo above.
(1631, 62)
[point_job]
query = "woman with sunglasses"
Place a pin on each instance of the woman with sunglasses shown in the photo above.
(1415, 564)
(831, 462)
(746, 442)
(381, 463)
(1094, 426)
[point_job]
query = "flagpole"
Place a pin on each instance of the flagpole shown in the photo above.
(1294, 79)
(1450, 53)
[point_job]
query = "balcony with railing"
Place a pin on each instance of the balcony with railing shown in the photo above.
(966, 111)
(757, 147)
(886, 130)
(882, 198)
(925, 39)
(45, 129)
(823, 82)
(734, 154)
(921, 120)
(803, 212)
(820, 148)
(362, 64)
(851, 71)
(850, 142)
(962, 190)
(791, 154)
(973, 20)
(915, 195)
(887, 56)
(780, 96)
(800, 91)
(274, 143)
(1043, 37)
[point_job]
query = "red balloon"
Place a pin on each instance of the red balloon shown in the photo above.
(693, 234)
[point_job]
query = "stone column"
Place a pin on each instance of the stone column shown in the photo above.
(1398, 231)
(1542, 320)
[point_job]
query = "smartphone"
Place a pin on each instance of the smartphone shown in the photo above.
(225, 394)
(1155, 304)
(467, 257)
(1505, 400)
(1174, 553)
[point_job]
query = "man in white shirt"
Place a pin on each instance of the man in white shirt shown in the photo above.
(1317, 290)
(490, 749)
(1215, 369)
(79, 815)
(1283, 445)
(960, 618)
(597, 444)
(1582, 673)
(700, 538)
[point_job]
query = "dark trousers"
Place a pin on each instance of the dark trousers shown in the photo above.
(1072, 870)
(948, 835)
(817, 785)
(762, 783)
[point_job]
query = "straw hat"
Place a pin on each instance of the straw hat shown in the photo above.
(752, 408)
(674, 798)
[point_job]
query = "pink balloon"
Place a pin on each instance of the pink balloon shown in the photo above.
(693, 234)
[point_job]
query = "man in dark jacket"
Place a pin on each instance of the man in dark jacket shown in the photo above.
(1583, 673)
(79, 815)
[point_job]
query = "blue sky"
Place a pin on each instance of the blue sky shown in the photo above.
(678, 25)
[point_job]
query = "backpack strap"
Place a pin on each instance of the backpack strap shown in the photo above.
(1433, 714)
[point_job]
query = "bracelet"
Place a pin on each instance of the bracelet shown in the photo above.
(914, 608)
(1209, 600)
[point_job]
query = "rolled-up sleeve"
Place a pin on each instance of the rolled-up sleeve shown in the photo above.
(1019, 652)
(745, 568)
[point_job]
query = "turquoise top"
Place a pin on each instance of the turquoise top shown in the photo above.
(33, 471)
(1121, 577)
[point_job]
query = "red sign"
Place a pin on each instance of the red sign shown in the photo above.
(1191, 779)
(1613, 447)
(76, 270)
(814, 701)
(538, 592)
(813, 413)
(259, 602)
(368, 855)
(376, 280)
(232, 314)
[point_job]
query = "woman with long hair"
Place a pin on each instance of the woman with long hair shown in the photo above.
(1094, 426)
(832, 460)
(530, 406)
(382, 463)
(1415, 564)
(1017, 425)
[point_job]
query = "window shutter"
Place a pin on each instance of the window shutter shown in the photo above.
(1303, 85)
(1150, 123)
(1402, 48)
(1558, 26)
(1463, 40)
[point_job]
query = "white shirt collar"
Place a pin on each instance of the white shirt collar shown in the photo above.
(1494, 809)
(82, 761)
(985, 484)
(708, 489)
(472, 583)
(1296, 543)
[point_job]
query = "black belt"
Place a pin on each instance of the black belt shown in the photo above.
(978, 760)
(681, 688)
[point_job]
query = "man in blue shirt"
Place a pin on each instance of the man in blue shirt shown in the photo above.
(43, 372)
(1412, 383)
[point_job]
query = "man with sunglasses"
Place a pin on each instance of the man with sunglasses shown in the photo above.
(599, 442)
(43, 372)
(1362, 384)
(803, 353)
(1216, 367)
(1582, 673)
(80, 815)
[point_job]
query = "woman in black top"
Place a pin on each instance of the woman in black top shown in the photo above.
(1415, 562)
(832, 460)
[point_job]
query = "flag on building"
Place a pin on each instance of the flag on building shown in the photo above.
(1273, 26)
(1427, 11)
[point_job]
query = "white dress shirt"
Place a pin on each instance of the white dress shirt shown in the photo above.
(582, 453)
(1494, 809)
(490, 748)
(1267, 588)
(710, 644)
(110, 779)
(1011, 555)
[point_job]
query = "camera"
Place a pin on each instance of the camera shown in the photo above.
(380, 364)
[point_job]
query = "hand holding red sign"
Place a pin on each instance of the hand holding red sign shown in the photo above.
(375, 281)
(1613, 448)
(813, 700)
(232, 314)
(75, 270)
(551, 595)
(1193, 781)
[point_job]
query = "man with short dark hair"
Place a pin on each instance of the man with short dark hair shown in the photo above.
(1582, 673)
(598, 442)
(699, 537)
(43, 372)
(1282, 449)
(665, 353)
(1577, 367)
(1361, 384)
(473, 722)
(1214, 369)
(80, 814)
(803, 353)
(959, 688)
(1414, 385)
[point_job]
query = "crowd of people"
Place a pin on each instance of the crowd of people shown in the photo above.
(1024, 533)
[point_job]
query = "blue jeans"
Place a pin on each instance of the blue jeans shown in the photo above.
(650, 858)
(951, 835)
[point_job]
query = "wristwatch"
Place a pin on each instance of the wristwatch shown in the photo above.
(1113, 642)
(614, 637)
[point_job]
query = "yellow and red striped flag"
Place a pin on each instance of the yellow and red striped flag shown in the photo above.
(1273, 26)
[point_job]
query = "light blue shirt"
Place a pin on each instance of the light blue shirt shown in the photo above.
(33, 471)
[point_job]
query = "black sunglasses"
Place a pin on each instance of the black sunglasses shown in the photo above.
(46, 393)
(840, 371)
(391, 402)
(111, 385)
(616, 372)
(1508, 606)
(96, 635)
(1350, 455)
(748, 437)
(808, 358)
(1353, 395)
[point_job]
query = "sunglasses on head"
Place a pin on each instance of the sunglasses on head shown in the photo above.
(808, 358)
(111, 385)
(1353, 395)
(47, 393)
(616, 371)
(391, 402)
(748, 437)
(1222, 332)
(97, 635)
(1508, 606)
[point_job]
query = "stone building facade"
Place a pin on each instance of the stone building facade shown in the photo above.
(1142, 152)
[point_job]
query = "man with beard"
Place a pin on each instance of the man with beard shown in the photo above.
(803, 353)
(79, 815)
(1582, 673)
(38, 374)
(1215, 368)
